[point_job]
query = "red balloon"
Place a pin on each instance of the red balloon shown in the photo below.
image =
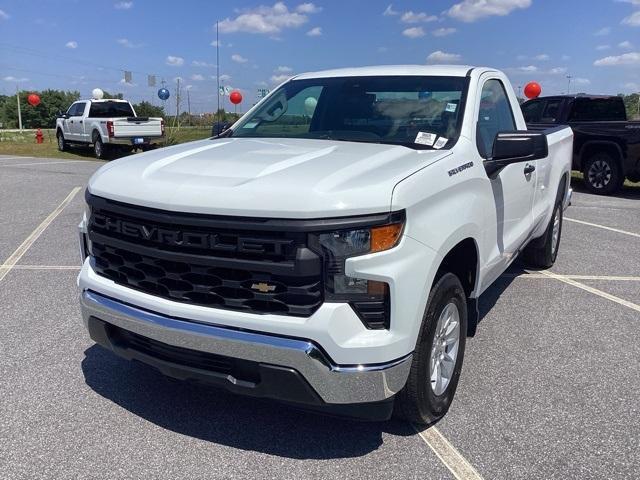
(235, 97)
(532, 90)
(33, 99)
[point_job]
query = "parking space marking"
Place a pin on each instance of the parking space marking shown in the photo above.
(8, 265)
(604, 227)
(448, 454)
(44, 163)
(46, 267)
(592, 290)
(611, 278)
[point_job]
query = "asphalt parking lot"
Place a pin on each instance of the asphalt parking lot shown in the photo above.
(549, 389)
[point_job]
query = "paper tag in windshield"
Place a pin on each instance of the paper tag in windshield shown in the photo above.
(451, 107)
(441, 142)
(425, 138)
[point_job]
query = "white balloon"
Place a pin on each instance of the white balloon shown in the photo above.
(97, 93)
(310, 105)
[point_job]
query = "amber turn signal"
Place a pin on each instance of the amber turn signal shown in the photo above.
(385, 237)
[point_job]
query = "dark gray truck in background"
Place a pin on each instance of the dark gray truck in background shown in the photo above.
(606, 146)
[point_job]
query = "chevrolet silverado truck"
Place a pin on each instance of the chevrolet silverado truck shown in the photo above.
(107, 124)
(606, 147)
(328, 250)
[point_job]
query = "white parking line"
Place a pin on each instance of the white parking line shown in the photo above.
(15, 158)
(10, 262)
(448, 454)
(592, 290)
(611, 278)
(617, 230)
(44, 163)
(46, 267)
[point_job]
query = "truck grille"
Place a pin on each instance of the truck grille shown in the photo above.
(204, 260)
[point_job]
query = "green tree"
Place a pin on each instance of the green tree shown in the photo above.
(146, 109)
(41, 116)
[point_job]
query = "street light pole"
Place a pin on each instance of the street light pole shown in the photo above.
(569, 77)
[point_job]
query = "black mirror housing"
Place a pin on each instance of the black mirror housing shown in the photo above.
(515, 147)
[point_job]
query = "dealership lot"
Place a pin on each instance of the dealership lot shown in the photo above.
(549, 389)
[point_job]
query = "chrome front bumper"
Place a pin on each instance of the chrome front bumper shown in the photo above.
(335, 384)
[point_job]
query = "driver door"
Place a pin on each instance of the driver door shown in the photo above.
(514, 186)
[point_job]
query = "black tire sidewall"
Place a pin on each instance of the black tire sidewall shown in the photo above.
(447, 289)
(61, 142)
(616, 174)
(554, 254)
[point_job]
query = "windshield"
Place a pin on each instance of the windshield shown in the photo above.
(417, 112)
(110, 109)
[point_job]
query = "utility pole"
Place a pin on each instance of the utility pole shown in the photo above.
(569, 77)
(19, 112)
(178, 99)
(218, 71)
(189, 106)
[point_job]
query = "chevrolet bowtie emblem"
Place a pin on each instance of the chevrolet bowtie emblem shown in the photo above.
(263, 287)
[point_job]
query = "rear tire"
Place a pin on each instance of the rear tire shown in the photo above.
(431, 386)
(62, 144)
(542, 252)
(602, 174)
(99, 148)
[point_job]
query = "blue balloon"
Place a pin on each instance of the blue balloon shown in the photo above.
(163, 94)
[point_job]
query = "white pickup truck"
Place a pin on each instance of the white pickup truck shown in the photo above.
(107, 124)
(329, 249)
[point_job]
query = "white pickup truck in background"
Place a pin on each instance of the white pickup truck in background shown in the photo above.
(329, 249)
(106, 124)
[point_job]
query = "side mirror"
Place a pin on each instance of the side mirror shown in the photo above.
(516, 147)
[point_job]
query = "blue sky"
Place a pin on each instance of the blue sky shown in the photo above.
(83, 44)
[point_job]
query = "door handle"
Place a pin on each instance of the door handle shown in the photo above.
(70, 121)
(528, 168)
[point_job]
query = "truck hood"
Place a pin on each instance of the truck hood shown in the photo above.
(284, 178)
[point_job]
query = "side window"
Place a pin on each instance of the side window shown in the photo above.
(495, 116)
(72, 109)
(79, 109)
(532, 111)
(551, 111)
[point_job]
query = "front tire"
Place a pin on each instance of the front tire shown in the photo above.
(438, 356)
(542, 252)
(602, 174)
(62, 143)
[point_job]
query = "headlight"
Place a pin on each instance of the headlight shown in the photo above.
(369, 298)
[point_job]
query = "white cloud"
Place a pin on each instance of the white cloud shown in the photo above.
(284, 69)
(443, 32)
(188, 87)
(71, 44)
(266, 20)
(414, 32)
(442, 57)
(215, 43)
(603, 31)
(626, 45)
(201, 63)
(543, 57)
(125, 42)
(472, 10)
(14, 79)
(196, 77)
(174, 61)
(632, 86)
(389, 11)
(238, 58)
(600, 48)
(632, 58)
(418, 17)
(124, 83)
(176, 79)
(123, 5)
(4, 15)
(632, 20)
(528, 69)
(558, 71)
(225, 78)
(308, 8)
(565, 57)
(315, 32)
(280, 78)
(580, 81)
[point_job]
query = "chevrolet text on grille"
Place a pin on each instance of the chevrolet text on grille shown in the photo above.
(213, 241)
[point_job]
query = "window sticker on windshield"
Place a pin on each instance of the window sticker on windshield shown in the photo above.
(250, 125)
(441, 142)
(425, 138)
(451, 107)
